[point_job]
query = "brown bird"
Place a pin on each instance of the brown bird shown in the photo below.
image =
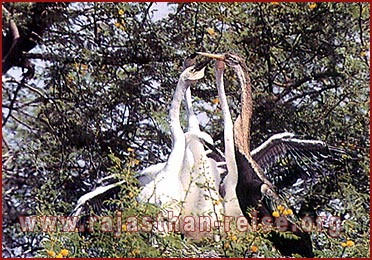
(252, 186)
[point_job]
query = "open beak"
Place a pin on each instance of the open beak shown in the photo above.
(213, 56)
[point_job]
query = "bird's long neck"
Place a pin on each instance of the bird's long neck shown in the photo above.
(178, 138)
(192, 120)
(243, 121)
(242, 124)
(232, 207)
(228, 125)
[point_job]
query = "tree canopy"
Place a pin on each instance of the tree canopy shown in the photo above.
(86, 89)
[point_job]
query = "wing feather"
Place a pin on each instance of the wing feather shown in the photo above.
(308, 155)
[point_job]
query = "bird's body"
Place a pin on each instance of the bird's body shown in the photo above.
(252, 186)
(166, 190)
(161, 182)
(228, 190)
(200, 177)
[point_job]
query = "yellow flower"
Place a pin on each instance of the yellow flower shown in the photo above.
(226, 245)
(69, 79)
(121, 12)
(276, 214)
(234, 238)
(211, 31)
(254, 249)
(130, 194)
(343, 244)
(124, 227)
(136, 161)
(274, 3)
(51, 253)
(130, 149)
(64, 252)
(312, 6)
(363, 53)
(349, 243)
(59, 256)
(217, 202)
(136, 251)
(280, 208)
(288, 212)
(215, 101)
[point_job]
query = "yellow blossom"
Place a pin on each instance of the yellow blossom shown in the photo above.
(64, 252)
(312, 6)
(234, 238)
(211, 31)
(276, 214)
(51, 253)
(226, 245)
(288, 212)
(124, 227)
(343, 244)
(280, 208)
(363, 53)
(136, 161)
(215, 101)
(117, 24)
(216, 202)
(130, 150)
(130, 194)
(136, 251)
(349, 243)
(274, 3)
(254, 249)
(121, 12)
(59, 256)
(69, 79)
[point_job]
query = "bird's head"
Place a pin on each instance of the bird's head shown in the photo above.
(231, 59)
(193, 73)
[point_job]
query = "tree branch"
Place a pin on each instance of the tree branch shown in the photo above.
(298, 83)
(311, 92)
(12, 101)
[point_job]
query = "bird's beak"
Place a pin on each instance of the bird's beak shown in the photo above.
(213, 56)
(196, 74)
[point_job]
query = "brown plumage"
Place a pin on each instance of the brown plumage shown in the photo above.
(252, 186)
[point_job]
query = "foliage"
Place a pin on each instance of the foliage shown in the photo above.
(105, 74)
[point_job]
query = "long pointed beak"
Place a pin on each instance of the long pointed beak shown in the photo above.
(195, 74)
(213, 56)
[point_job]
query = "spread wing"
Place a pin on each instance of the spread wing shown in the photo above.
(285, 159)
(94, 199)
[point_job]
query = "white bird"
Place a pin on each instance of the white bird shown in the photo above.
(201, 180)
(228, 187)
(166, 189)
(161, 182)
